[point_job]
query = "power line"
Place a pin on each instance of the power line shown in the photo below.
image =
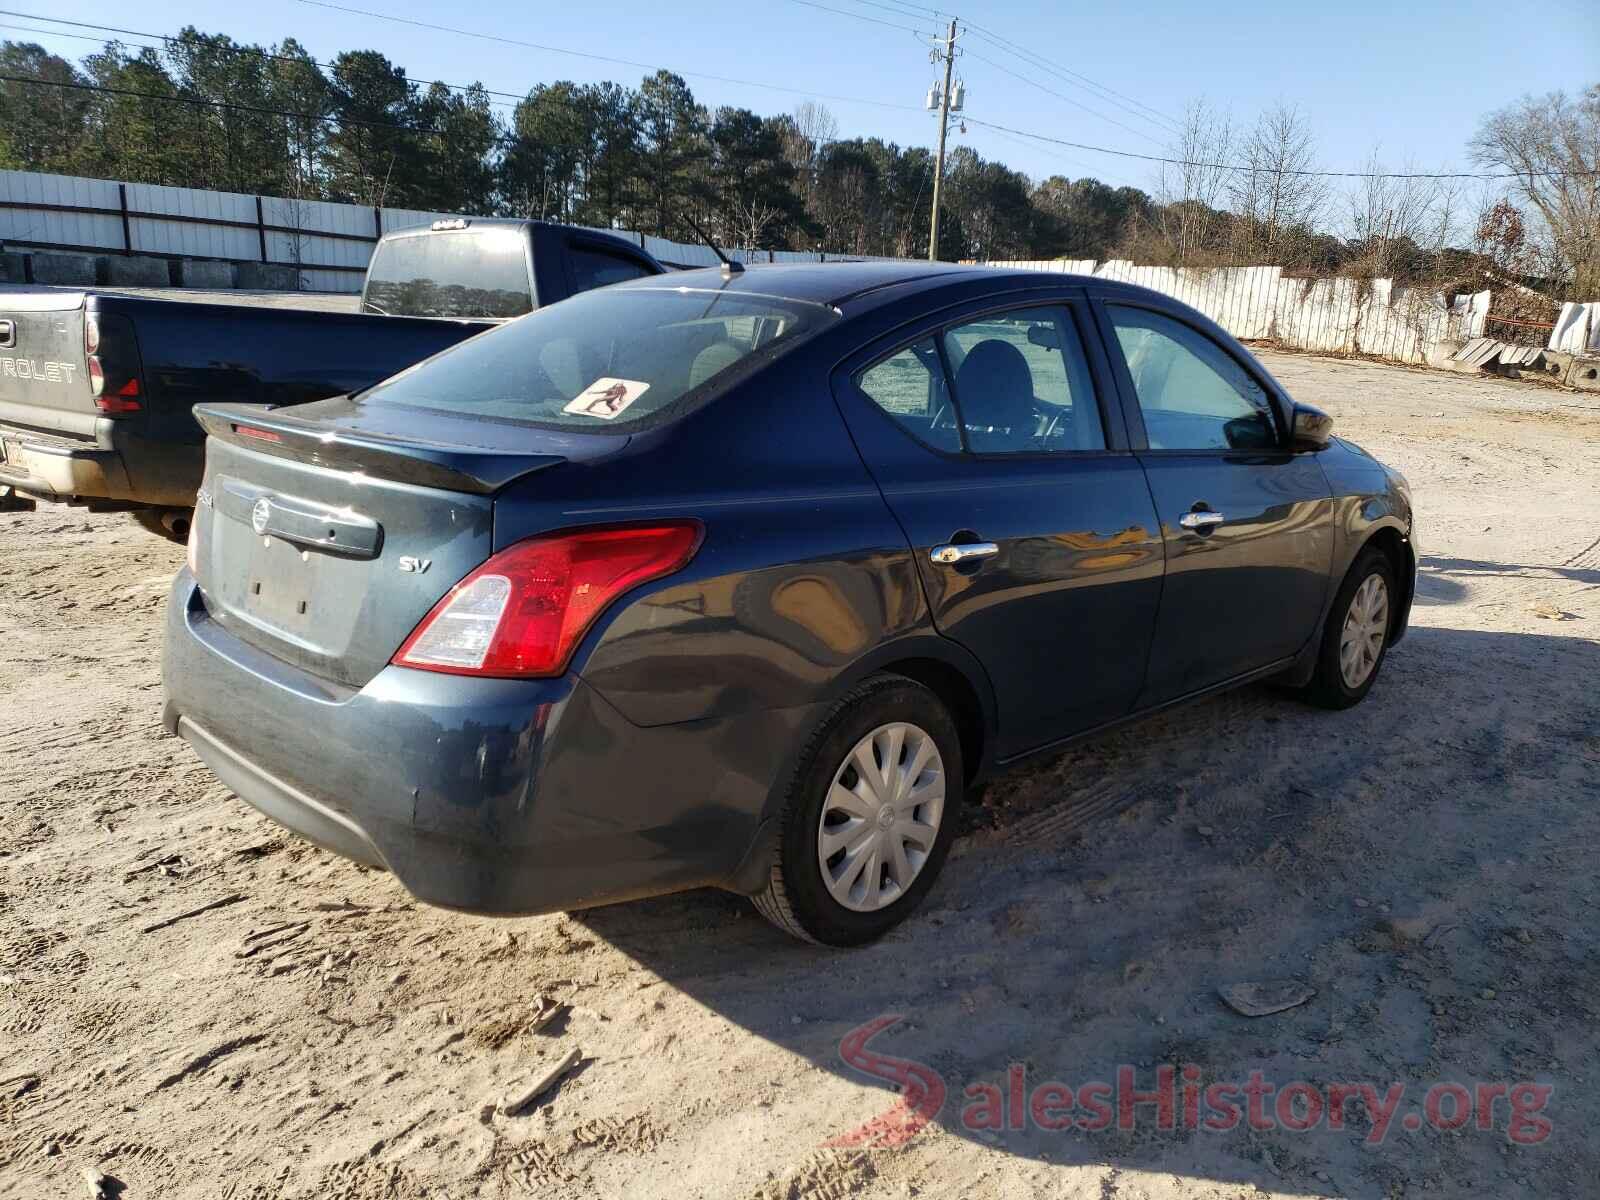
(1183, 162)
(169, 40)
(625, 62)
(1066, 98)
(843, 12)
(1045, 64)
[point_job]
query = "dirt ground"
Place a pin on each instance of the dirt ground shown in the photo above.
(1425, 862)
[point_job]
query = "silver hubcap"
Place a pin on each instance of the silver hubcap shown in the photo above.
(881, 817)
(1365, 627)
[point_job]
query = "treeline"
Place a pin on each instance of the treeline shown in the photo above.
(204, 111)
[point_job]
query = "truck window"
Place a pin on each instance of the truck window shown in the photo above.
(480, 272)
(596, 268)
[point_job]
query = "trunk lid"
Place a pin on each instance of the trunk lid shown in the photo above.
(327, 531)
(44, 369)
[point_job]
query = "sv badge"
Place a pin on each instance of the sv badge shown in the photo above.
(414, 566)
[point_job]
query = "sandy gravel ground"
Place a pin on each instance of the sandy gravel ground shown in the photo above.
(1425, 862)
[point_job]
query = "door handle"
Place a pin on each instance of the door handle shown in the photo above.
(1201, 522)
(949, 554)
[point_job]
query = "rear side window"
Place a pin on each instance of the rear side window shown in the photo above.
(1023, 385)
(597, 268)
(910, 387)
(481, 272)
(610, 359)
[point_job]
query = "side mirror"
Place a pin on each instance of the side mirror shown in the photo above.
(1312, 428)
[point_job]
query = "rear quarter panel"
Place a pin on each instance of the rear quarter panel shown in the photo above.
(803, 578)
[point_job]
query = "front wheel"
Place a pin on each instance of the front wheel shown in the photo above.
(1357, 634)
(869, 816)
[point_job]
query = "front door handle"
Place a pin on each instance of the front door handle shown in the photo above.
(1201, 522)
(950, 554)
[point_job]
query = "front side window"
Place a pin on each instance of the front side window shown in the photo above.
(613, 359)
(910, 387)
(1022, 384)
(1193, 394)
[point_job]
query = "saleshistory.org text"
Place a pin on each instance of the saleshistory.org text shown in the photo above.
(1180, 1098)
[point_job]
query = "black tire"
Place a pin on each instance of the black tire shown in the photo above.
(1328, 687)
(795, 897)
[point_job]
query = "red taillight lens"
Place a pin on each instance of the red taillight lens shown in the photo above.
(524, 611)
(124, 400)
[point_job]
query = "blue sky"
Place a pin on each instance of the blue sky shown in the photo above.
(1412, 79)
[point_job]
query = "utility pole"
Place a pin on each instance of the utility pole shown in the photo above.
(944, 129)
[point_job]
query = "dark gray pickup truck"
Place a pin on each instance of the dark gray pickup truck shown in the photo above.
(97, 387)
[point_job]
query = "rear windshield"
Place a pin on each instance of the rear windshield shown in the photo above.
(613, 359)
(468, 273)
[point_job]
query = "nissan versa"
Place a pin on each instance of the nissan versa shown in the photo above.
(744, 577)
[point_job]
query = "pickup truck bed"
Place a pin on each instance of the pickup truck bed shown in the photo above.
(60, 441)
(97, 386)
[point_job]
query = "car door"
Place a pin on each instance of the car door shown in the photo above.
(1030, 521)
(1247, 523)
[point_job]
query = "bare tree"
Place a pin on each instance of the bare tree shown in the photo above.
(1552, 145)
(811, 127)
(1275, 198)
(1396, 219)
(1191, 192)
(750, 221)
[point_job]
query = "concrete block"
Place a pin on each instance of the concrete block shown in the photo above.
(134, 270)
(1555, 363)
(1440, 354)
(13, 266)
(268, 277)
(1584, 374)
(205, 273)
(64, 270)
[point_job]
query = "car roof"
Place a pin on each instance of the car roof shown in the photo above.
(833, 283)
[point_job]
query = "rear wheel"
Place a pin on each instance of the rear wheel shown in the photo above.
(1357, 634)
(869, 816)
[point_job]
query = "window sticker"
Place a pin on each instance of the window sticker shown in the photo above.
(607, 398)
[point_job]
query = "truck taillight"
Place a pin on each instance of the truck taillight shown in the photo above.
(124, 398)
(524, 611)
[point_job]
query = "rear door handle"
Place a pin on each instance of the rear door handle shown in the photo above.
(1201, 521)
(949, 554)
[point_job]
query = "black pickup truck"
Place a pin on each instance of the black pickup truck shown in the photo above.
(96, 387)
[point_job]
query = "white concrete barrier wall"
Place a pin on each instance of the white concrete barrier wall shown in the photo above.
(1337, 315)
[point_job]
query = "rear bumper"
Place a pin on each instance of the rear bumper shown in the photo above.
(489, 796)
(59, 469)
(64, 468)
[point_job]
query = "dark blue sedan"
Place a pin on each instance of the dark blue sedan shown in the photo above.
(744, 578)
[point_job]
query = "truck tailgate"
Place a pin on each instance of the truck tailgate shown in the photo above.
(44, 376)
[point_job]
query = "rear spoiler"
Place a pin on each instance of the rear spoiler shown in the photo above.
(341, 444)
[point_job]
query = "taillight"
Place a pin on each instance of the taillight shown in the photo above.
(524, 611)
(124, 398)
